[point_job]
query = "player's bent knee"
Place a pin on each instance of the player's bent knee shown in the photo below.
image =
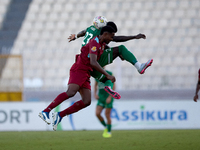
(98, 114)
(71, 93)
(87, 102)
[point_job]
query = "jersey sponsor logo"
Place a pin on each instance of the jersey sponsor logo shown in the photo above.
(94, 49)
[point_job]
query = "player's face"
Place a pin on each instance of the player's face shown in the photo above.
(109, 37)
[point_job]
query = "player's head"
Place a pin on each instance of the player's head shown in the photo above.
(99, 22)
(113, 25)
(108, 29)
(107, 33)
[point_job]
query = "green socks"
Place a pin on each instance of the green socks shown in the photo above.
(109, 127)
(127, 55)
(103, 123)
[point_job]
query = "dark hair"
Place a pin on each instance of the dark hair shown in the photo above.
(107, 29)
(113, 25)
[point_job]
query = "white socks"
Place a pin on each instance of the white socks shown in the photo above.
(137, 65)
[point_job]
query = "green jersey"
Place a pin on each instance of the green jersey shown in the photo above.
(91, 32)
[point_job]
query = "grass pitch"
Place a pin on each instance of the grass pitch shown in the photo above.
(93, 140)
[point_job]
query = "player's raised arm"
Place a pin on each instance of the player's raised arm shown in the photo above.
(124, 38)
(75, 36)
(127, 38)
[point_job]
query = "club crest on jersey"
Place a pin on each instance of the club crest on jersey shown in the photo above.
(94, 49)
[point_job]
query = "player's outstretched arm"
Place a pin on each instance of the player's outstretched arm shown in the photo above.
(75, 36)
(95, 65)
(127, 38)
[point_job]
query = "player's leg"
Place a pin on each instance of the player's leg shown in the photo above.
(108, 118)
(71, 91)
(100, 106)
(86, 100)
(125, 54)
(107, 114)
(79, 81)
(98, 114)
(120, 51)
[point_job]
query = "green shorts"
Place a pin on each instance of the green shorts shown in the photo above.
(105, 59)
(102, 102)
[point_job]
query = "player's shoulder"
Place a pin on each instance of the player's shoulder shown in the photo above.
(95, 40)
(92, 28)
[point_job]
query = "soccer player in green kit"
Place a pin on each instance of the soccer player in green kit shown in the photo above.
(104, 101)
(111, 53)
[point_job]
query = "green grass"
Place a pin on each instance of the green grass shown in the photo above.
(92, 140)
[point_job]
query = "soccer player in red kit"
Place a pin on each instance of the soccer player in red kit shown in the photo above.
(197, 89)
(79, 80)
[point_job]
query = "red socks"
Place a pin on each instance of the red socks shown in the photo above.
(59, 99)
(73, 108)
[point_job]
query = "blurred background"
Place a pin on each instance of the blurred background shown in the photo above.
(36, 55)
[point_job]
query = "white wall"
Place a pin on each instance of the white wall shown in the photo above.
(125, 115)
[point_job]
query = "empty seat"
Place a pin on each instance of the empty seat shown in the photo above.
(46, 8)
(172, 40)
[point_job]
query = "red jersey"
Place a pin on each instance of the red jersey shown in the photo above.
(93, 47)
(80, 71)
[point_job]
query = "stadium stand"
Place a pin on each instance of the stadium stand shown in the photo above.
(171, 27)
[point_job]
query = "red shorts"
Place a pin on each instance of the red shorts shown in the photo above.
(80, 75)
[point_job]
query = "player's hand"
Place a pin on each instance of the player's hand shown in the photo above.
(140, 36)
(112, 78)
(96, 96)
(72, 37)
(108, 100)
(195, 98)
